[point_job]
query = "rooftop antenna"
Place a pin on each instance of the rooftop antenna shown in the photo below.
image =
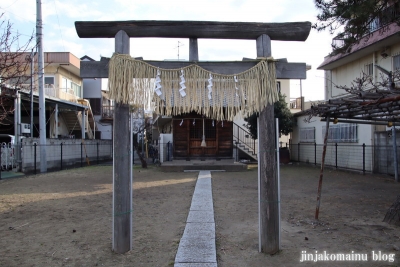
(179, 45)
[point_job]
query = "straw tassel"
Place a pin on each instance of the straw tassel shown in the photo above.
(134, 82)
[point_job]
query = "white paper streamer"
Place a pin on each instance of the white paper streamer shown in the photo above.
(237, 89)
(182, 84)
(209, 87)
(158, 86)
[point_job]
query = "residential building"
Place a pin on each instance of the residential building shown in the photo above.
(381, 47)
(96, 92)
(68, 115)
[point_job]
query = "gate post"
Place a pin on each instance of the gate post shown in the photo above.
(61, 154)
(395, 165)
(97, 153)
(363, 155)
(268, 182)
(34, 145)
(81, 154)
(1, 164)
(298, 152)
(315, 153)
(336, 155)
(122, 161)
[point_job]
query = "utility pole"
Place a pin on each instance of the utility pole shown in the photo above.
(42, 107)
(32, 83)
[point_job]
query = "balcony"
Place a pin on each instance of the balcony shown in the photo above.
(388, 15)
(67, 94)
(297, 103)
(107, 112)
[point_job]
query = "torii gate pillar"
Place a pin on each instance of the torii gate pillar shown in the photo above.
(268, 180)
(122, 165)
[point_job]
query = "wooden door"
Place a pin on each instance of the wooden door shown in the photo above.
(196, 137)
(188, 136)
(181, 138)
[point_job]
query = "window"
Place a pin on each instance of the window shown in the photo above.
(369, 69)
(307, 134)
(21, 81)
(70, 87)
(77, 89)
(65, 84)
(342, 133)
(396, 62)
(278, 87)
(49, 80)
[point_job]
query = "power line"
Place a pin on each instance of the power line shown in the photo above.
(12, 4)
(17, 32)
(59, 27)
(15, 15)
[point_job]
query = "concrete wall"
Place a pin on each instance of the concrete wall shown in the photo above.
(349, 155)
(365, 131)
(104, 128)
(73, 153)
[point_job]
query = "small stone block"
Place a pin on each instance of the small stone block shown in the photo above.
(202, 204)
(203, 264)
(196, 251)
(199, 231)
(200, 216)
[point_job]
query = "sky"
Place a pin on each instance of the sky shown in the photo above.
(60, 35)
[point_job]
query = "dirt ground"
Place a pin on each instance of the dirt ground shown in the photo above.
(64, 218)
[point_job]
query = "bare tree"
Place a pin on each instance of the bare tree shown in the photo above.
(379, 99)
(14, 64)
(361, 89)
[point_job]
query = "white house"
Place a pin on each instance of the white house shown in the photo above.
(360, 145)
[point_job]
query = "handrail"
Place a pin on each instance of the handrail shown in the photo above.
(243, 137)
(107, 111)
(90, 121)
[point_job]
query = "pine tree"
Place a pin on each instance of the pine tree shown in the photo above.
(354, 18)
(281, 111)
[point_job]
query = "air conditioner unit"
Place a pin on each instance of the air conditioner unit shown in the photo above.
(25, 128)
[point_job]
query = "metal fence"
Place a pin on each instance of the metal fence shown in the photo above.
(59, 155)
(365, 158)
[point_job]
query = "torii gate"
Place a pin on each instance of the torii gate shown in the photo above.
(263, 33)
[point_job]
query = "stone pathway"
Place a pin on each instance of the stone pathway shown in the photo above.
(197, 245)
